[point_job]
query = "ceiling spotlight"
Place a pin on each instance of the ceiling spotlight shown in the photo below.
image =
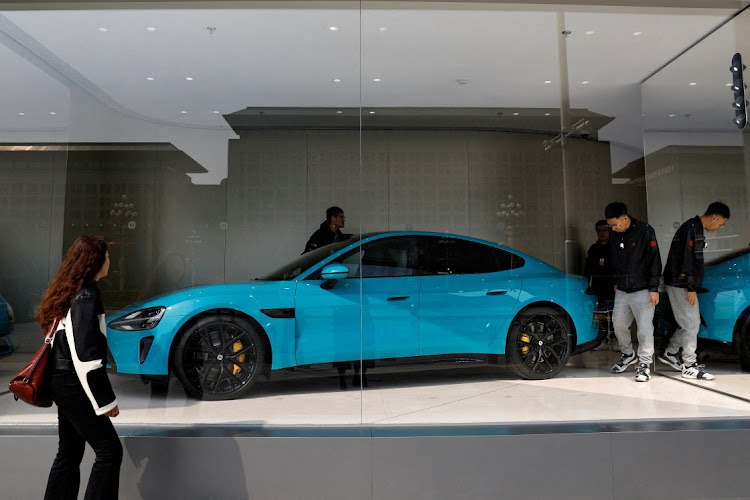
(516, 114)
(217, 112)
(151, 28)
(372, 112)
(183, 112)
(189, 78)
(638, 33)
(103, 30)
(738, 88)
(333, 28)
(376, 79)
(339, 112)
(21, 114)
(547, 114)
(671, 116)
(383, 28)
(590, 32)
(547, 81)
(150, 78)
(337, 80)
(585, 82)
(692, 84)
(52, 113)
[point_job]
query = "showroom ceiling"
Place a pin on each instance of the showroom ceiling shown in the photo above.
(190, 67)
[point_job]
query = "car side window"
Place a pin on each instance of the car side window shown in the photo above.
(388, 257)
(457, 256)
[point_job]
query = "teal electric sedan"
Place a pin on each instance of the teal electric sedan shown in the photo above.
(376, 296)
(725, 305)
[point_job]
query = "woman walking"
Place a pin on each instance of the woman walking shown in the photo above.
(72, 306)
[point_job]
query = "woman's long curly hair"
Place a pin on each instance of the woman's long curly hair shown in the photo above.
(83, 261)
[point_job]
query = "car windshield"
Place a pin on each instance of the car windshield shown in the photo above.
(307, 260)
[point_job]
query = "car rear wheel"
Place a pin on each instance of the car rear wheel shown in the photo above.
(538, 343)
(220, 357)
(743, 345)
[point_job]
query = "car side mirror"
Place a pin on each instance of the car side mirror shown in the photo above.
(332, 273)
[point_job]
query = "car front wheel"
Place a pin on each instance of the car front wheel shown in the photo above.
(538, 343)
(220, 357)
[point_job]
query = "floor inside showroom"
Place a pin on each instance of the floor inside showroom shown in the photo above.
(585, 391)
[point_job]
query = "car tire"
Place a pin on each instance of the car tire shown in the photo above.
(539, 343)
(219, 357)
(743, 344)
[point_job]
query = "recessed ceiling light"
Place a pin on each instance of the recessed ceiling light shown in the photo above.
(638, 33)
(516, 114)
(103, 30)
(337, 80)
(729, 84)
(585, 82)
(183, 112)
(21, 114)
(546, 114)
(376, 79)
(150, 78)
(590, 32)
(339, 112)
(189, 78)
(671, 116)
(151, 28)
(372, 112)
(217, 112)
(383, 28)
(333, 28)
(52, 113)
(547, 81)
(692, 84)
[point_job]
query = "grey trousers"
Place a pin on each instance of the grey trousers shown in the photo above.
(629, 306)
(689, 321)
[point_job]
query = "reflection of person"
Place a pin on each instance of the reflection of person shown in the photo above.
(600, 273)
(683, 277)
(79, 384)
(637, 263)
(328, 231)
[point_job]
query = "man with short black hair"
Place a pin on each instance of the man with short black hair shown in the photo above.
(601, 275)
(683, 277)
(637, 263)
(328, 231)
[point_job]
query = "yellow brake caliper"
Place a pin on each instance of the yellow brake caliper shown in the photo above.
(526, 339)
(237, 347)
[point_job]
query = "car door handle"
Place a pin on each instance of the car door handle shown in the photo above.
(403, 297)
(497, 292)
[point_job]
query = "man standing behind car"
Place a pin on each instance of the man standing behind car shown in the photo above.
(683, 277)
(328, 231)
(637, 263)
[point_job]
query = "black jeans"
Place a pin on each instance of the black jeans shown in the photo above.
(78, 425)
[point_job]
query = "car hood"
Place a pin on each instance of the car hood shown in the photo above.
(207, 292)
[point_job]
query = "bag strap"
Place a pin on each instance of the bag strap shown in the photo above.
(51, 335)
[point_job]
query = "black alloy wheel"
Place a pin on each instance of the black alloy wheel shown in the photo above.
(538, 343)
(220, 357)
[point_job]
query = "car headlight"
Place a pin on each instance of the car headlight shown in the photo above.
(143, 319)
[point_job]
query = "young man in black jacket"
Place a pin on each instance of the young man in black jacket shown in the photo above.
(635, 255)
(601, 275)
(683, 277)
(328, 231)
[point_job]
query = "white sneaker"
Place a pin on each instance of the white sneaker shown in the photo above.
(696, 371)
(642, 373)
(671, 359)
(624, 361)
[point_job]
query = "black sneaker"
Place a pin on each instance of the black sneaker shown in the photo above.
(624, 361)
(671, 360)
